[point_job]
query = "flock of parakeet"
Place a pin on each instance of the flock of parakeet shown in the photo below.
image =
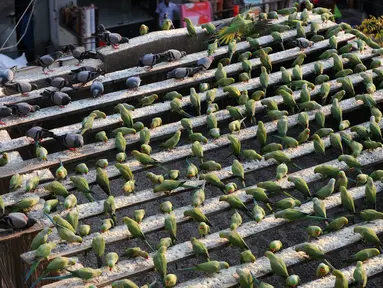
(243, 26)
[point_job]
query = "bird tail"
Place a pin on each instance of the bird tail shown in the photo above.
(59, 277)
(89, 196)
(33, 268)
(39, 279)
(147, 244)
(187, 269)
(90, 54)
(183, 113)
(99, 261)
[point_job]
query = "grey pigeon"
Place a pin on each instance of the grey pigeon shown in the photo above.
(205, 62)
(149, 60)
(85, 76)
(4, 112)
(23, 108)
(133, 82)
(85, 68)
(58, 82)
(182, 72)
(172, 55)
(97, 88)
(38, 133)
(47, 60)
(303, 43)
(113, 39)
(70, 141)
(16, 220)
(80, 53)
(23, 87)
(101, 29)
(57, 97)
(7, 75)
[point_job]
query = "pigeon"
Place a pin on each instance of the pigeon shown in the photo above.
(58, 82)
(57, 97)
(4, 112)
(23, 87)
(172, 55)
(70, 141)
(97, 88)
(7, 75)
(16, 220)
(85, 68)
(84, 76)
(149, 60)
(101, 29)
(303, 43)
(47, 60)
(133, 82)
(182, 72)
(80, 53)
(23, 108)
(205, 62)
(113, 39)
(38, 133)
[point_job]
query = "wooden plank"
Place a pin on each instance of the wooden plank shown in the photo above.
(156, 87)
(36, 75)
(188, 60)
(159, 108)
(128, 268)
(212, 205)
(329, 242)
(87, 210)
(90, 149)
(181, 151)
(373, 267)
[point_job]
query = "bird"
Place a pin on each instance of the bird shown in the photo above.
(71, 141)
(302, 43)
(16, 220)
(205, 62)
(149, 60)
(96, 88)
(182, 72)
(57, 97)
(58, 82)
(133, 82)
(80, 53)
(23, 87)
(7, 75)
(22, 108)
(172, 55)
(4, 112)
(144, 29)
(84, 76)
(37, 133)
(47, 60)
(113, 39)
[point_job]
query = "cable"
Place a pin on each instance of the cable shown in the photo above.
(18, 22)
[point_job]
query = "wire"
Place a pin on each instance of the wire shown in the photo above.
(18, 22)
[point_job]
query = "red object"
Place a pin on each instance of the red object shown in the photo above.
(198, 13)
(236, 10)
(101, 43)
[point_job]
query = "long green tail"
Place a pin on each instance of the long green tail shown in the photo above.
(329, 264)
(33, 268)
(147, 244)
(39, 279)
(187, 269)
(318, 218)
(60, 277)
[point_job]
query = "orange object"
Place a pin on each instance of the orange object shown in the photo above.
(236, 10)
